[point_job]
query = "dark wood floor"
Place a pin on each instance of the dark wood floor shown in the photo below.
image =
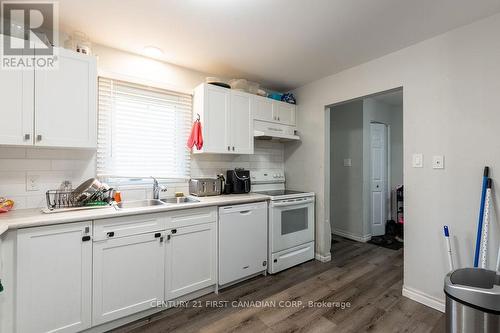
(367, 276)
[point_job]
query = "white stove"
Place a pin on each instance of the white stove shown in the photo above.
(291, 220)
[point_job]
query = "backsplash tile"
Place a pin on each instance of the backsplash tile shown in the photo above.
(268, 155)
(53, 166)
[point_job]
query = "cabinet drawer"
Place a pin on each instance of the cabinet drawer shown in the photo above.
(127, 226)
(189, 217)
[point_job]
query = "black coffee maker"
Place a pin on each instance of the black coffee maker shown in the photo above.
(238, 181)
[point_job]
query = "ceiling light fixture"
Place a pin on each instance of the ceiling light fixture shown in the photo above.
(152, 51)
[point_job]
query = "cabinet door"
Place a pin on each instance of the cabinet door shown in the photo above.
(54, 274)
(128, 276)
(285, 113)
(16, 113)
(216, 117)
(66, 102)
(191, 259)
(241, 123)
(262, 108)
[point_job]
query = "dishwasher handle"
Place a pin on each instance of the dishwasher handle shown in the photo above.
(244, 209)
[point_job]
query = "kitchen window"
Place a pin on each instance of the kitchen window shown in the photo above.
(142, 132)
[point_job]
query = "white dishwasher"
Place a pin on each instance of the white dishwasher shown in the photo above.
(242, 241)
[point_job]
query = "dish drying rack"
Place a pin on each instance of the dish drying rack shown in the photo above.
(59, 200)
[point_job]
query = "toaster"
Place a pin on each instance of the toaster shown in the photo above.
(203, 187)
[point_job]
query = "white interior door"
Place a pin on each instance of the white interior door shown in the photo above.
(378, 149)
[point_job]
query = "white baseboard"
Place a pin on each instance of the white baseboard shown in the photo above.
(424, 299)
(352, 236)
(323, 258)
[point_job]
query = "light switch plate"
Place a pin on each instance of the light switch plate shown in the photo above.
(418, 160)
(438, 162)
(347, 162)
(32, 182)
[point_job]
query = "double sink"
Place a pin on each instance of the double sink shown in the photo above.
(155, 202)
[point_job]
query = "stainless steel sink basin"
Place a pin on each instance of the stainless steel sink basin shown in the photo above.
(140, 203)
(180, 200)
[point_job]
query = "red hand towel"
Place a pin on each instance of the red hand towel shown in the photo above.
(196, 138)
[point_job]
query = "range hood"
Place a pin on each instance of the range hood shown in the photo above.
(262, 135)
(264, 130)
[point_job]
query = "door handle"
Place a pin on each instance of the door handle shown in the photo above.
(233, 148)
(246, 212)
(27, 136)
(85, 238)
(228, 148)
(111, 234)
(39, 137)
(174, 231)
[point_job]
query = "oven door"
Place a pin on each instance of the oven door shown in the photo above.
(291, 223)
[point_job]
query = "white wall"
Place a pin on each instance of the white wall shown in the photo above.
(56, 165)
(451, 84)
(346, 189)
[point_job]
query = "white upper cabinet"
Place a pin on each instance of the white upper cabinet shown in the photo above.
(16, 112)
(66, 102)
(262, 108)
(241, 125)
(51, 108)
(225, 119)
(212, 104)
(54, 278)
(269, 110)
(284, 113)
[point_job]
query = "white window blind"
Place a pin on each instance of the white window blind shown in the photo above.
(142, 131)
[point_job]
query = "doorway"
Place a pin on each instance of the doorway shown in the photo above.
(366, 168)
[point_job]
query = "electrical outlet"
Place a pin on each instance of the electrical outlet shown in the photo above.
(438, 162)
(32, 183)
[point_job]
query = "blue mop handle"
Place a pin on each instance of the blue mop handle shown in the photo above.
(481, 216)
(448, 246)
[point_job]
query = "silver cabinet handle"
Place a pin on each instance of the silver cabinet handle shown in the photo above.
(39, 137)
(27, 136)
(228, 148)
(233, 148)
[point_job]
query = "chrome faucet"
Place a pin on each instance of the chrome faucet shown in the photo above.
(157, 188)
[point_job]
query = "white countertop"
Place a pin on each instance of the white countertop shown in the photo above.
(24, 218)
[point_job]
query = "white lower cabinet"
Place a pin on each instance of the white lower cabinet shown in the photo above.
(128, 275)
(54, 278)
(75, 276)
(191, 259)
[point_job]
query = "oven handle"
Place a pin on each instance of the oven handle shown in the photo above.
(292, 202)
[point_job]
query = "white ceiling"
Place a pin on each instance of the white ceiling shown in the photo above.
(282, 44)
